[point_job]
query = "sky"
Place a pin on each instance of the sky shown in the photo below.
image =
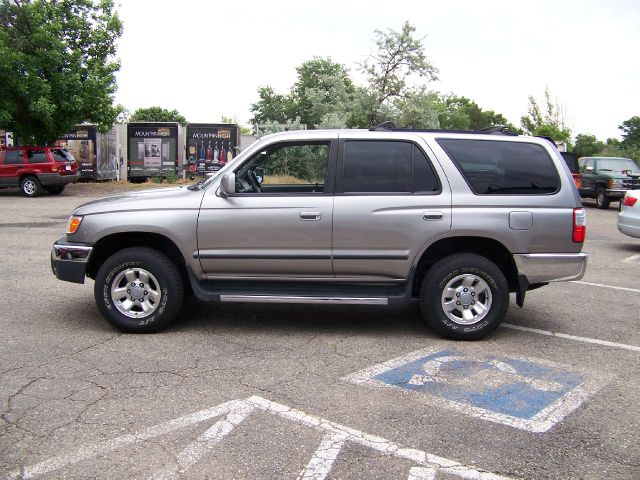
(208, 58)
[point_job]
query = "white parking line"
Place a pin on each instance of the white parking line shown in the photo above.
(236, 411)
(595, 341)
(606, 286)
(632, 259)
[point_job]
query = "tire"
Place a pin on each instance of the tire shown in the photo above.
(602, 199)
(30, 186)
(464, 277)
(157, 281)
(56, 190)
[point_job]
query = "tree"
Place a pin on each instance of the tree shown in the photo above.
(550, 123)
(631, 132)
(57, 66)
(461, 113)
(399, 57)
(271, 107)
(417, 109)
(587, 145)
(323, 87)
(157, 114)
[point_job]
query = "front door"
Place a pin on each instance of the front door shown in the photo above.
(278, 223)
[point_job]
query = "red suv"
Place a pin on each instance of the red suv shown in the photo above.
(34, 169)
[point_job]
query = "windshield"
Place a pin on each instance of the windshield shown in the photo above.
(617, 164)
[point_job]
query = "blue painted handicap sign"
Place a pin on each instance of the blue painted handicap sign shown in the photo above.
(530, 394)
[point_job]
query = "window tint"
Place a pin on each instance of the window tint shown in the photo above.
(424, 180)
(37, 156)
(61, 155)
(12, 157)
(503, 168)
(386, 167)
(377, 167)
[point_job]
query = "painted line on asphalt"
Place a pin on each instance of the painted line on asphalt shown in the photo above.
(606, 286)
(594, 341)
(632, 259)
(236, 411)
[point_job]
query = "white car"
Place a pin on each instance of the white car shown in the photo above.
(629, 216)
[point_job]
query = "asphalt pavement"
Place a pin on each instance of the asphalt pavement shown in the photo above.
(254, 391)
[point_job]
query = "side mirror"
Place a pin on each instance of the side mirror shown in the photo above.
(589, 169)
(228, 185)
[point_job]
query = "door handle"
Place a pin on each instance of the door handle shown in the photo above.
(310, 216)
(432, 216)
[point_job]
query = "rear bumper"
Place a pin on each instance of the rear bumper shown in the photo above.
(55, 179)
(629, 225)
(551, 267)
(69, 260)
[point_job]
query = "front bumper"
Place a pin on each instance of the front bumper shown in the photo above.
(551, 267)
(69, 260)
(615, 193)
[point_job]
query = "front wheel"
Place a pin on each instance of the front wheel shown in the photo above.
(464, 296)
(30, 186)
(602, 199)
(139, 290)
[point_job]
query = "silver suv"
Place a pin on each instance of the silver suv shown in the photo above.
(457, 220)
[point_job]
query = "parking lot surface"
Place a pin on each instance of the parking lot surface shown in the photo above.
(313, 392)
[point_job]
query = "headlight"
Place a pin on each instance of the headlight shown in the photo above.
(74, 224)
(615, 183)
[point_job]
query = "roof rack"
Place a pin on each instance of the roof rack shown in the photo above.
(494, 130)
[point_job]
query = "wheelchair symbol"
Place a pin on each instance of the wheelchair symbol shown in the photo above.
(433, 373)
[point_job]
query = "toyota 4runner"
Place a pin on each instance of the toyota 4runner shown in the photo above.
(457, 220)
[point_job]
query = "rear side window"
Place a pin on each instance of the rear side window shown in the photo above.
(12, 157)
(37, 156)
(386, 167)
(503, 168)
(61, 155)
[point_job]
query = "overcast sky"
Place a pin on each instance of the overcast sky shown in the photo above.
(208, 58)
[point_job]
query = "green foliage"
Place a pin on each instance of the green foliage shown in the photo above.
(57, 66)
(271, 107)
(157, 114)
(461, 113)
(588, 145)
(399, 58)
(631, 132)
(417, 109)
(547, 123)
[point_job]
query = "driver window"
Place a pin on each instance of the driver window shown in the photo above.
(286, 168)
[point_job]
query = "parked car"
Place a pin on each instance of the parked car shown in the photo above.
(629, 215)
(376, 217)
(607, 178)
(34, 169)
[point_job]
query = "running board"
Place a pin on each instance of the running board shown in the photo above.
(304, 299)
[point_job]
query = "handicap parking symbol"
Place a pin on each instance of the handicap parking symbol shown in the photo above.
(530, 394)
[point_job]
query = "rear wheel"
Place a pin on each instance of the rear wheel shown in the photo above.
(56, 190)
(464, 296)
(30, 186)
(602, 199)
(139, 290)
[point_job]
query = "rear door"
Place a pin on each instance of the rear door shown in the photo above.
(391, 199)
(11, 162)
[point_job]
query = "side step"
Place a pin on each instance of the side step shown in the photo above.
(302, 292)
(304, 299)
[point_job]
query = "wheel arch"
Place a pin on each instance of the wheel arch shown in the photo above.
(489, 248)
(110, 244)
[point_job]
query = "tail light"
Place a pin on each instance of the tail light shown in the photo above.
(629, 201)
(579, 225)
